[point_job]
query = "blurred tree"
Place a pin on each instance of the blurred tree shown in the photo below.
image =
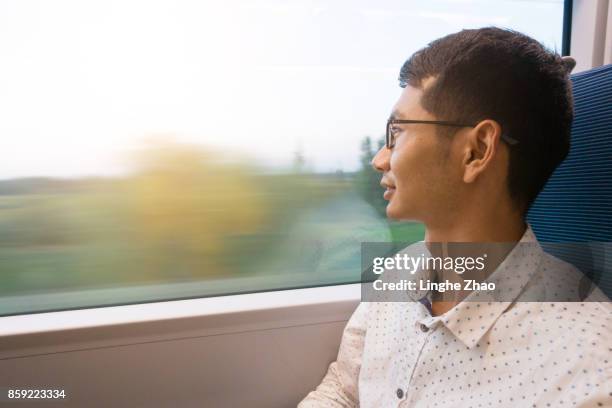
(185, 203)
(299, 161)
(368, 179)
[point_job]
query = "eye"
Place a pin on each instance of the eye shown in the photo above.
(394, 130)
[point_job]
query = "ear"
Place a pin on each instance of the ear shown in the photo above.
(481, 147)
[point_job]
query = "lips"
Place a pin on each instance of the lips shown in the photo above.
(388, 193)
(389, 190)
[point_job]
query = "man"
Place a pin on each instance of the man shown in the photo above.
(492, 112)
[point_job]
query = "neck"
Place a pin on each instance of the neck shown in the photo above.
(493, 227)
(478, 227)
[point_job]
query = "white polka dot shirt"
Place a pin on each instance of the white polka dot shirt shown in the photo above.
(478, 354)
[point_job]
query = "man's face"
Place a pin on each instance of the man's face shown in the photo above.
(419, 175)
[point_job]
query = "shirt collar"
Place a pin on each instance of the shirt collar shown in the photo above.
(471, 319)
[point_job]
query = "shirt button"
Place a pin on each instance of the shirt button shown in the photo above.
(400, 393)
(424, 328)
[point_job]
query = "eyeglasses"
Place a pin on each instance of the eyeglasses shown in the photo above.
(390, 135)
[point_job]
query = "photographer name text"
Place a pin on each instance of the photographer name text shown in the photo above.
(427, 285)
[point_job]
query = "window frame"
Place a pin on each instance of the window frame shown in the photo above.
(71, 330)
(130, 313)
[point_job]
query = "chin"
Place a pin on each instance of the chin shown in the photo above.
(394, 213)
(400, 214)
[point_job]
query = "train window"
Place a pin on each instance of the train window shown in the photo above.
(176, 149)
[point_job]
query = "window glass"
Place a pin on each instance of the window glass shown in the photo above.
(172, 149)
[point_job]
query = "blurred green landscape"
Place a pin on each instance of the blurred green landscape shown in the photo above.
(184, 216)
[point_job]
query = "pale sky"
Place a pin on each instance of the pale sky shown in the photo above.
(83, 82)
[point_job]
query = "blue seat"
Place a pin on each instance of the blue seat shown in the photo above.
(572, 216)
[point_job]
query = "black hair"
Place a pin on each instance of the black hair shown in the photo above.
(500, 74)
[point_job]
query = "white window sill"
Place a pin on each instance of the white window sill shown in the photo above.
(51, 332)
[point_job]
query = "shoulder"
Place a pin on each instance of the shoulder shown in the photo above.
(567, 328)
(559, 281)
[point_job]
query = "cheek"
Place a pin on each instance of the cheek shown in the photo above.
(421, 171)
(407, 166)
(403, 160)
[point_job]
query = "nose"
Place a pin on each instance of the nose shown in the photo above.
(380, 161)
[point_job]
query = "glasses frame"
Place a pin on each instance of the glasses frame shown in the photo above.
(390, 143)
